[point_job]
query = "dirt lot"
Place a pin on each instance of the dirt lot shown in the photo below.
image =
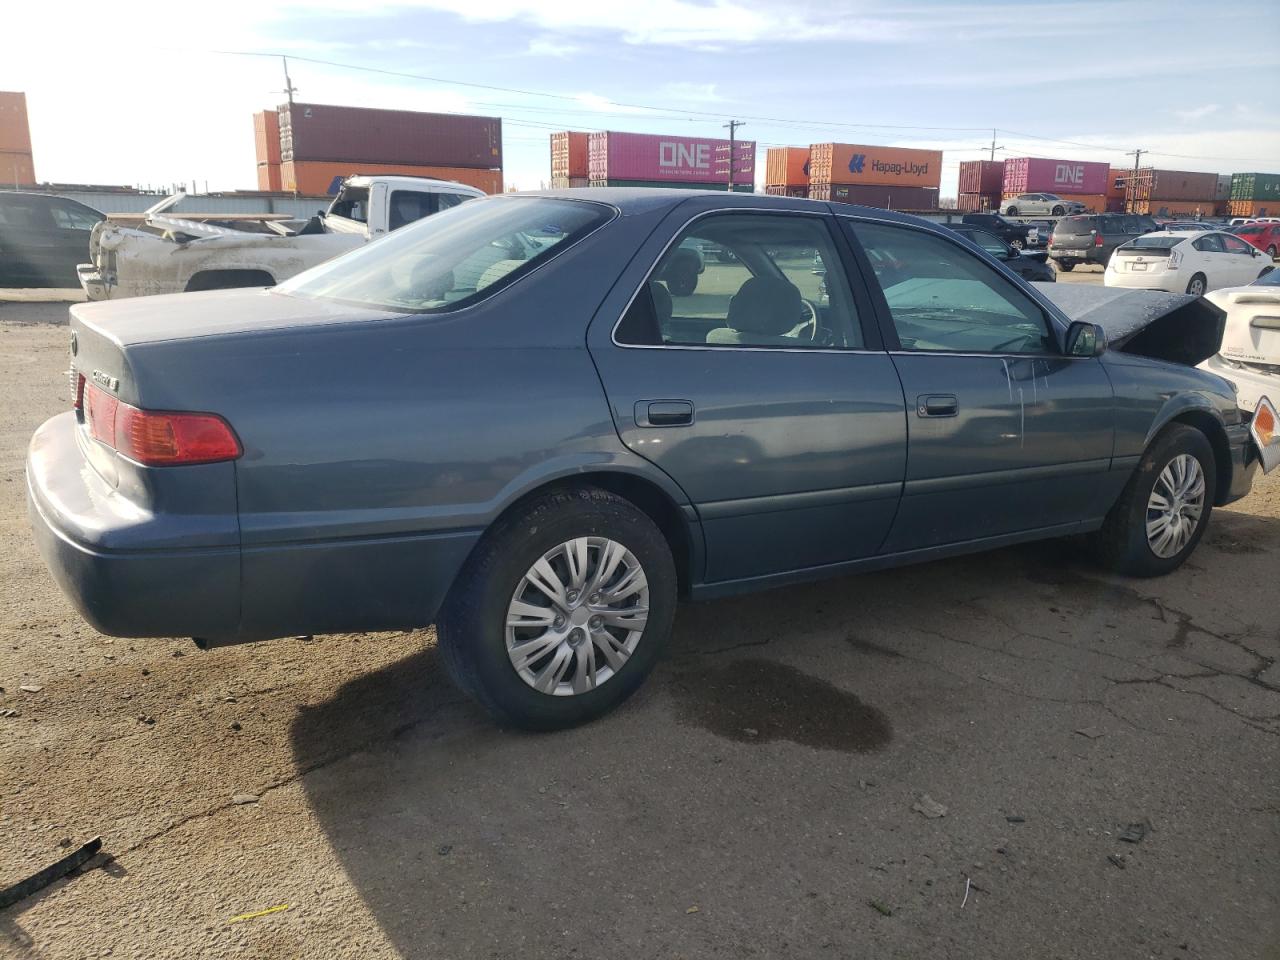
(768, 794)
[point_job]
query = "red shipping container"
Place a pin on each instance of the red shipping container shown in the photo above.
(1174, 208)
(269, 177)
(978, 202)
(1152, 184)
(787, 166)
(877, 195)
(315, 177)
(310, 131)
(982, 177)
(569, 154)
(653, 157)
(1034, 175)
(786, 190)
(17, 168)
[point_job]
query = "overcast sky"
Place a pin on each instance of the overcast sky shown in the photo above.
(146, 97)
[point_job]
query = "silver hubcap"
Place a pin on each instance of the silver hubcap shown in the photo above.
(1197, 288)
(1175, 506)
(577, 616)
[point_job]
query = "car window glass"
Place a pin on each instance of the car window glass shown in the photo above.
(989, 242)
(1210, 243)
(445, 261)
(1130, 225)
(1233, 244)
(67, 217)
(447, 200)
(25, 215)
(943, 298)
(747, 280)
(352, 203)
(410, 205)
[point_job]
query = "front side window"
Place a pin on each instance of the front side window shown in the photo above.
(943, 298)
(1233, 244)
(449, 260)
(352, 203)
(69, 217)
(746, 280)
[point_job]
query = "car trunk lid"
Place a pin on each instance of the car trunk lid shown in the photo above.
(1252, 337)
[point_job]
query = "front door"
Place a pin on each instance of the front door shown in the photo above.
(1005, 434)
(749, 370)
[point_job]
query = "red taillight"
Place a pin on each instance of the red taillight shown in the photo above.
(77, 387)
(1097, 240)
(158, 438)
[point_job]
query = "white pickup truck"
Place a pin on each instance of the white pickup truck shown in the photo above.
(169, 254)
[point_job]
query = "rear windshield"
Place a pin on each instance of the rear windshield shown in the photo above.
(1076, 225)
(1154, 243)
(451, 259)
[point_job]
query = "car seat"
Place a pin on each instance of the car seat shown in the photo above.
(762, 312)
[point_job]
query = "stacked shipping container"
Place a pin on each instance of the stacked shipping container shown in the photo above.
(266, 141)
(651, 160)
(314, 144)
(16, 165)
(1077, 180)
(786, 171)
(981, 182)
(1115, 189)
(897, 178)
(1170, 192)
(1255, 194)
(568, 159)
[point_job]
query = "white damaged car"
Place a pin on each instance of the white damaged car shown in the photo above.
(1250, 352)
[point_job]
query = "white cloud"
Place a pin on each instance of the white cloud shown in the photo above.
(1196, 113)
(682, 93)
(551, 47)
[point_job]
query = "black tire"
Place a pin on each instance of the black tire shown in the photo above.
(1058, 211)
(1011, 212)
(1121, 545)
(1271, 251)
(472, 626)
(1192, 282)
(1017, 244)
(1065, 265)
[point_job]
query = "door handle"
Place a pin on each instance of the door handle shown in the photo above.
(664, 413)
(937, 405)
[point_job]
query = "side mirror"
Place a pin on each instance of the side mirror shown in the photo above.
(1086, 340)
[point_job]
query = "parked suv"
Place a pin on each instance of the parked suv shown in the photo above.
(1014, 234)
(1093, 238)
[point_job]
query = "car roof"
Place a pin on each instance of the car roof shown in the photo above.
(414, 183)
(637, 200)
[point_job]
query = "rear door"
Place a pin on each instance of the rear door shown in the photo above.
(72, 224)
(1005, 434)
(31, 250)
(760, 387)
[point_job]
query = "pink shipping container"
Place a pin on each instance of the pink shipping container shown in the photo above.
(1034, 175)
(981, 176)
(643, 156)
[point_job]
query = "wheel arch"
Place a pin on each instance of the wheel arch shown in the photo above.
(1209, 424)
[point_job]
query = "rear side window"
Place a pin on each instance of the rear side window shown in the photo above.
(746, 280)
(450, 260)
(1209, 244)
(943, 298)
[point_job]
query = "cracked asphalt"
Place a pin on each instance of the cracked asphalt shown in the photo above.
(767, 794)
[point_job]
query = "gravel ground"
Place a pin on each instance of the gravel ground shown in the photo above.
(771, 792)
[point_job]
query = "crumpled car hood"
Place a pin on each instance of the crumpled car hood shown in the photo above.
(1164, 326)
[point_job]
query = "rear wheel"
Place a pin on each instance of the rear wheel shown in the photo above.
(562, 610)
(1065, 265)
(1271, 251)
(1017, 244)
(1011, 212)
(1196, 285)
(1164, 508)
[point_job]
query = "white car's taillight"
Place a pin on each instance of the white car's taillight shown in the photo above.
(1175, 258)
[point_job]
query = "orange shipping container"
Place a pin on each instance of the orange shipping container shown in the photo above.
(569, 154)
(16, 169)
(269, 177)
(266, 136)
(787, 167)
(15, 135)
(1173, 208)
(1116, 182)
(315, 177)
(882, 166)
(1093, 202)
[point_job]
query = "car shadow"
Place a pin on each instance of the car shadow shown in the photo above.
(757, 792)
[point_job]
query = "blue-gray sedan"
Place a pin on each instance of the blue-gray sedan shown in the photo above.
(539, 420)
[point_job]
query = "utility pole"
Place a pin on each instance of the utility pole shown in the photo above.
(732, 127)
(289, 88)
(1129, 199)
(994, 148)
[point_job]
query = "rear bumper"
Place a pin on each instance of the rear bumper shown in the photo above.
(94, 284)
(1252, 385)
(134, 573)
(1078, 254)
(1162, 280)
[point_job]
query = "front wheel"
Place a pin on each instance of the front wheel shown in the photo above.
(1017, 244)
(1271, 251)
(1011, 212)
(1058, 211)
(1164, 508)
(562, 611)
(1196, 285)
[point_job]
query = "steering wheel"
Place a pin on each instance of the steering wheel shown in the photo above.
(811, 324)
